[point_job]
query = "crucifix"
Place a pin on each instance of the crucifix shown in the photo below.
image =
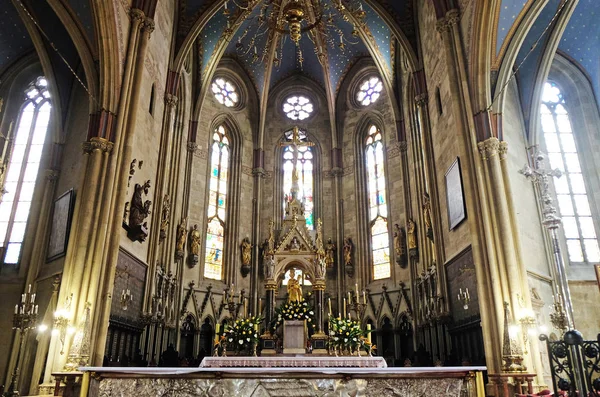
(295, 144)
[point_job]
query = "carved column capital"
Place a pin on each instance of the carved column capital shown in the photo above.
(488, 148)
(171, 100)
(148, 25)
(337, 171)
(442, 25)
(421, 100)
(192, 147)
(403, 146)
(503, 150)
(52, 175)
(97, 144)
(453, 17)
(137, 15)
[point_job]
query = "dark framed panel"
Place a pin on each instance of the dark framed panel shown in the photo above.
(455, 195)
(62, 215)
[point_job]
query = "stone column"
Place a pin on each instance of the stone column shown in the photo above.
(258, 172)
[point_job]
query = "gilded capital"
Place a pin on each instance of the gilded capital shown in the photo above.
(97, 144)
(488, 148)
(503, 150)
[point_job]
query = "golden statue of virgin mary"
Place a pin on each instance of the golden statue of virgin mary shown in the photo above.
(294, 289)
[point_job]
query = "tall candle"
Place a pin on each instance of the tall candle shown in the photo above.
(245, 307)
(330, 307)
(344, 307)
(364, 298)
(217, 329)
(349, 297)
(356, 289)
(369, 334)
(259, 306)
(16, 309)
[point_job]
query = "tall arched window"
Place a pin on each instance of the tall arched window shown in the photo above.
(570, 189)
(217, 205)
(23, 169)
(305, 166)
(378, 210)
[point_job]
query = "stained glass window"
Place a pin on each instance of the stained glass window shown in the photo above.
(298, 107)
(305, 166)
(570, 189)
(23, 168)
(378, 210)
(225, 92)
(305, 280)
(217, 205)
(369, 91)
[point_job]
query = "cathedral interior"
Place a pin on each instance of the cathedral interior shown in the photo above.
(391, 160)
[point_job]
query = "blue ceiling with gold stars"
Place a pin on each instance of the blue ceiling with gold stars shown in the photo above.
(14, 39)
(289, 62)
(580, 42)
(509, 12)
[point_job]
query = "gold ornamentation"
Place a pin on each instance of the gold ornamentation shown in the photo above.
(97, 144)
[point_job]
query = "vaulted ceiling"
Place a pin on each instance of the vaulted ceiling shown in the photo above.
(580, 41)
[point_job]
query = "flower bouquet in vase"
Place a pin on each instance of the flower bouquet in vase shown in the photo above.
(347, 338)
(241, 337)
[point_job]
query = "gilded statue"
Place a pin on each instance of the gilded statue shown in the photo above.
(195, 238)
(427, 215)
(295, 289)
(181, 235)
(348, 247)
(399, 240)
(330, 253)
(412, 234)
(140, 209)
(246, 248)
(164, 218)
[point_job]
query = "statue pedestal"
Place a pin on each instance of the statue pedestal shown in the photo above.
(294, 337)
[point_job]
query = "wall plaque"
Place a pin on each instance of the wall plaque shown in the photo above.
(455, 195)
(61, 225)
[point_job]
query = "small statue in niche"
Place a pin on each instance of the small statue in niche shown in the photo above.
(269, 263)
(164, 218)
(246, 250)
(411, 231)
(194, 245)
(320, 268)
(348, 248)
(180, 239)
(294, 244)
(400, 246)
(137, 229)
(427, 216)
(330, 254)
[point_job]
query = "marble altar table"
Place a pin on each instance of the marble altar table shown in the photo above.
(266, 382)
(305, 361)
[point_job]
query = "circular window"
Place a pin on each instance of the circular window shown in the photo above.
(369, 91)
(298, 107)
(225, 92)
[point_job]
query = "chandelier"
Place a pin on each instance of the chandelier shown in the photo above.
(275, 21)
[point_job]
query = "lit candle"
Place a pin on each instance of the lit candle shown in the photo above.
(22, 298)
(356, 289)
(369, 333)
(349, 297)
(29, 289)
(344, 307)
(32, 298)
(330, 307)
(364, 298)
